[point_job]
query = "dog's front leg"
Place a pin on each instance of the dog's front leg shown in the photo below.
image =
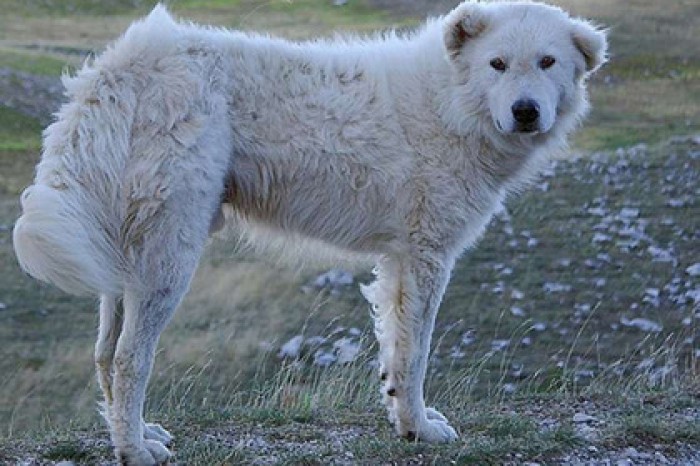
(405, 299)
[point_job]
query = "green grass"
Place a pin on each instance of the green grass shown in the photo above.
(73, 7)
(18, 132)
(529, 427)
(31, 63)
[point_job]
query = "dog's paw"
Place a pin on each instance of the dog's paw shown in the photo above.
(156, 432)
(150, 453)
(435, 430)
(159, 452)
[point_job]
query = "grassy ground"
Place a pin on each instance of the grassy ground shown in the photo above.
(562, 278)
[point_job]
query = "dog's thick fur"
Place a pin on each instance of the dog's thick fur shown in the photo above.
(394, 148)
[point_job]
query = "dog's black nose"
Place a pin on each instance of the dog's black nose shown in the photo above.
(525, 111)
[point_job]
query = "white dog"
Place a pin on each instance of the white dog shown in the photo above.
(394, 148)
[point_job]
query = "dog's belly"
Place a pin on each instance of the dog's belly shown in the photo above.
(322, 205)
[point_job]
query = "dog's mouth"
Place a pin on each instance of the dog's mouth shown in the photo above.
(519, 129)
(527, 129)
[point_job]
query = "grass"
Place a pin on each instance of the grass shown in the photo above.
(18, 133)
(217, 383)
(34, 63)
(529, 427)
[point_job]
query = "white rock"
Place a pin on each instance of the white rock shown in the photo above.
(599, 211)
(660, 255)
(292, 348)
(645, 325)
(601, 238)
(693, 295)
(581, 418)
(499, 345)
(629, 212)
(346, 349)
(323, 358)
(565, 262)
(554, 287)
(539, 326)
(693, 270)
(517, 311)
(468, 338)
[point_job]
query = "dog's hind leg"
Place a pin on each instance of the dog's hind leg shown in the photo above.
(164, 262)
(405, 299)
(111, 316)
(146, 313)
(107, 335)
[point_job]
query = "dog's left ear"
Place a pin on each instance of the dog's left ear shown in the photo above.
(591, 42)
(463, 24)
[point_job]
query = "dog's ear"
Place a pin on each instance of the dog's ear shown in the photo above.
(591, 42)
(463, 24)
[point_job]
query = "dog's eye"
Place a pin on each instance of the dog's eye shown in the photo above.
(547, 61)
(498, 64)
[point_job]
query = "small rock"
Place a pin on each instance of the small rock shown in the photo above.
(346, 350)
(693, 270)
(598, 211)
(323, 358)
(554, 287)
(583, 418)
(468, 337)
(601, 238)
(499, 345)
(539, 326)
(292, 348)
(645, 325)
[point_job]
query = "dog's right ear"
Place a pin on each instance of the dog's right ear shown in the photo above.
(463, 24)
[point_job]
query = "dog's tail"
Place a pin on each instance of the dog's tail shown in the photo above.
(55, 242)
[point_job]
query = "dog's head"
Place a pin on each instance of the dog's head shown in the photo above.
(524, 63)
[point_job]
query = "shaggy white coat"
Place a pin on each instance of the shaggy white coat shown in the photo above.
(394, 148)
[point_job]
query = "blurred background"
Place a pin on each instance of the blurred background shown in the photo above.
(591, 275)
